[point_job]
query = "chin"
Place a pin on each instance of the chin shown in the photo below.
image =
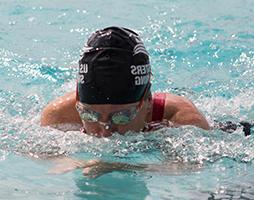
(100, 135)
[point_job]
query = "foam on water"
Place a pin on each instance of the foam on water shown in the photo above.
(24, 136)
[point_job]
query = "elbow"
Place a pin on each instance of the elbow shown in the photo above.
(48, 117)
(44, 121)
(191, 119)
(200, 121)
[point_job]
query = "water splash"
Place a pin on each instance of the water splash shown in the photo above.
(187, 144)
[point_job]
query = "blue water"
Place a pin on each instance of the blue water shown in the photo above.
(199, 49)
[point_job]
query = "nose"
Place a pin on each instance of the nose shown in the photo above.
(106, 125)
(105, 129)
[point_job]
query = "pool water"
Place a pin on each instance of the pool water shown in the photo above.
(199, 49)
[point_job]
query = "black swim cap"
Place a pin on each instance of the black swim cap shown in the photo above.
(114, 68)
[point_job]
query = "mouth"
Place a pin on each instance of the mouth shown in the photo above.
(101, 135)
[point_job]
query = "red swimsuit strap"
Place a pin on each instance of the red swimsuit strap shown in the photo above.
(158, 106)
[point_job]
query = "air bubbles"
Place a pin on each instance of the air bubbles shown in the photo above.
(78, 30)
(31, 19)
(61, 15)
(192, 39)
(3, 155)
(233, 36)
(81, 11)
(12, 23)
(215, 55)
(163, 13)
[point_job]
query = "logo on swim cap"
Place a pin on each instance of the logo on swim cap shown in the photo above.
(114, 68)
(141, 74)
(83, 69)
(140, 48)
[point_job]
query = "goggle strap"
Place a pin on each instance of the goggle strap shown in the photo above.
(77, 96)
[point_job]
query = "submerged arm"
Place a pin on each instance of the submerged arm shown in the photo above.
(96, 168)
(169, 168)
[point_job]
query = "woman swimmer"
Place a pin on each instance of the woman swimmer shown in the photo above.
(113, 91)
(113, 95)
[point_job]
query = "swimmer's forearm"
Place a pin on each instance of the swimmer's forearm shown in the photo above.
(171, 167)
(96, 168)
(118, 166)
(101, 167)
(230, 127)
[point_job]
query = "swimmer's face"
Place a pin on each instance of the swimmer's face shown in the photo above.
(104, 119)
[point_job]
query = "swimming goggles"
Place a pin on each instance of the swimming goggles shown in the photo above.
(121, 117)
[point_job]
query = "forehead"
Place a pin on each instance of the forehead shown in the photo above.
(105, 108)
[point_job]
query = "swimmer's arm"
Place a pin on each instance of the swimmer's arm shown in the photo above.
(61, 111)
(91, 168)
(96, 168)
(169, 168)
(180, 111)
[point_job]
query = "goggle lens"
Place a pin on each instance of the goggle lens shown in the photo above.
(87, 115)
(119, 118)
(124, 117)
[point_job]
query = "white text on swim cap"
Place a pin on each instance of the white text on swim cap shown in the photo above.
(141, 73)
(83, 68)
(140, 69)
(81, 79)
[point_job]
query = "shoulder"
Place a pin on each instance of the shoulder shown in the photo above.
(182, 111)
(60, 111)
(172, 103)
(176, 103)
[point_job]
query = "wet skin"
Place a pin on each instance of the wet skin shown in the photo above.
(178, 110)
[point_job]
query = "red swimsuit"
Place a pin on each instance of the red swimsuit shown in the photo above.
(157, 113)
(158, 106)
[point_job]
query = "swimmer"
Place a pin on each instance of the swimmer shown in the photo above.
(113, 92)
(113, 95)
